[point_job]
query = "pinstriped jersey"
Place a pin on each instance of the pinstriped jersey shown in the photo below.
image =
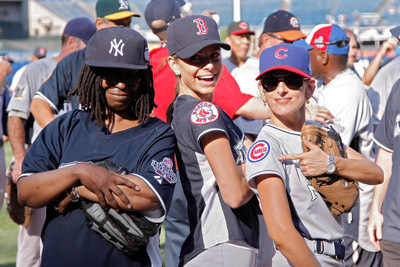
(212, 221)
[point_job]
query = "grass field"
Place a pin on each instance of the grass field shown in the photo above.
(9, 231)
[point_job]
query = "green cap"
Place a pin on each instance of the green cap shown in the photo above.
(114, 9)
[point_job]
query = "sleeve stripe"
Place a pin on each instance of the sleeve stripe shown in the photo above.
(155, 220)
(44, 98)
(383, 146)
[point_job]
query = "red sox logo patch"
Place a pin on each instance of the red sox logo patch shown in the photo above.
(201, 25)
(204, 112)
(280, 53)
(258, 151)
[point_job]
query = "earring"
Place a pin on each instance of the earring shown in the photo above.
(177, 73)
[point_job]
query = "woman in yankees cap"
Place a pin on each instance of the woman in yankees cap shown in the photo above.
(223, 223)
(116, 95)
(299, 222)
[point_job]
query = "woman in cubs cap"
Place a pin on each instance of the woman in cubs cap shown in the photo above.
(298, 220)
(116, 95)
(211, 158)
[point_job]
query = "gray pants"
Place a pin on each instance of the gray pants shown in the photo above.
(390, 253)
(224, 255)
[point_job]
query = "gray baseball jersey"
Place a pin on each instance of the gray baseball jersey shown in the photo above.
(310, 214)
(387, 135)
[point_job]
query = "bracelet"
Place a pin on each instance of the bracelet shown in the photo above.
(74, 195)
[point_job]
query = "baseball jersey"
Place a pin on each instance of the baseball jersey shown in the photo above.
(211, 220)
(381, 86)
(310, 215)
(26, 87)
(63, 79)
(227, 92)
(387, 136)
(146, 151)
(345, 96)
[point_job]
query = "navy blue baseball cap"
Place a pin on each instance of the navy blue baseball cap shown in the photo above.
(284, 23)
(166, 10)
(395, 32)
(81, 27)
(118, 47)
(288, 57)
(188, 35)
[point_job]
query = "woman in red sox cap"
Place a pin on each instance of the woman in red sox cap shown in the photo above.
(304, 231)
(211, 158)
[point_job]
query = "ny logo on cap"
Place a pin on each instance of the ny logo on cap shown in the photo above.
(201, 25)
(123, 4)
(280, 53)
(119, 47)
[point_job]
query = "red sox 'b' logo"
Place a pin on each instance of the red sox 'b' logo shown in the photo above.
(201, 25)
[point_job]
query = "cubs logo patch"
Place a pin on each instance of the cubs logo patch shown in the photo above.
(165, 169)
(258, 151)
(204, 112)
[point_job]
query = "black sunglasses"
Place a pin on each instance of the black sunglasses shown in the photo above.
(340, 44)
(129, 79)
(279, 38)
(293, 81)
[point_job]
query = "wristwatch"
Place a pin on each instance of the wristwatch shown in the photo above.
(331, 167)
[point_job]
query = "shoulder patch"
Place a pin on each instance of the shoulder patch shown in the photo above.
(165, 169)
(204, 112)
(258, 151)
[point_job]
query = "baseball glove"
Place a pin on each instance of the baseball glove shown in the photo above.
(128, 231)
(18, 213)
(339, 193)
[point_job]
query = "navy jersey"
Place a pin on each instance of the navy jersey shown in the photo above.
(63, 79)
(211, 220)
(146, 151)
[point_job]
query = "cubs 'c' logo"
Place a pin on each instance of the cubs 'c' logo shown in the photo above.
(204, 112)
(280, 53)
(258, 151)
(201, 25)
(294, 22)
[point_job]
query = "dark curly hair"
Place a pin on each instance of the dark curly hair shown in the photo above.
(92, 96)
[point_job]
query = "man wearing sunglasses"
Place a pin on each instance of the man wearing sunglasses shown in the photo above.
(341, 91)
(279, 27)
(52, 96)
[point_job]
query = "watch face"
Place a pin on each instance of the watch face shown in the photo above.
(330, 168)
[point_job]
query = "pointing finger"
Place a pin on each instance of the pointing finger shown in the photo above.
(291, 157)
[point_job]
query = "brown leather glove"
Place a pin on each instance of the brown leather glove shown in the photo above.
(339, 193)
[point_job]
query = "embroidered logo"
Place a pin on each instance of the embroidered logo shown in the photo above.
(123, 5)
(280, 53)
(397, 126)
(204, 112)
(319, 41)
(165, 169)
(119, 47)
(18, 91)
(201, 25)
(240, 150)
(243, 25)
(294, 22)
(258, 151)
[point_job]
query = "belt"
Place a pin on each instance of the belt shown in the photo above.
(335, 249)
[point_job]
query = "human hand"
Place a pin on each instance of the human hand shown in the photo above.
(104, 183)
(374, 228)
(313, 162)
(388, 45)
(319, 114)
(16, 171)
(6, 67)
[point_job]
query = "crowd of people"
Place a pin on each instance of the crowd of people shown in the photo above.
(212, 146)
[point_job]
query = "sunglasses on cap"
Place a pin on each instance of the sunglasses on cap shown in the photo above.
(292, 81)
(340, 44)
(129, 79)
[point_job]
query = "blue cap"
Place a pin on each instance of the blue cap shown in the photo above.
(82, 28)
(166, 10)
(303, 43)
(288, 57)
(329, 38)
(395, 32)
(118, 47)
(188, 35)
